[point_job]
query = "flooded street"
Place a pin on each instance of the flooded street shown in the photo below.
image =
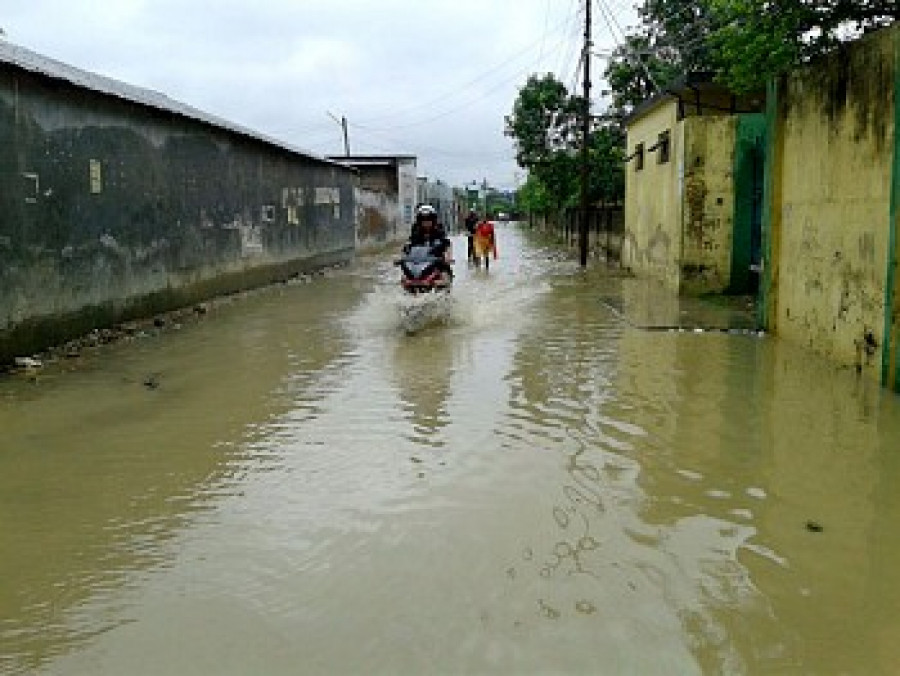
(542, 479)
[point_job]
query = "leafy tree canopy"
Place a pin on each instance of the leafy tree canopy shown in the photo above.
(743, 42)
(544, 126)
(758, 39)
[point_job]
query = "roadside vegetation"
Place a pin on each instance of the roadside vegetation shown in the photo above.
(741, 43)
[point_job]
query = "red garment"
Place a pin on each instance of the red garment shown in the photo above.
(485, 240)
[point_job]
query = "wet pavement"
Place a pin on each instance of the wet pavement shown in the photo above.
(552, 471)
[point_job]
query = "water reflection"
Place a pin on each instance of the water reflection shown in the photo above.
(689, 468)
(423, 368)
(99, 474)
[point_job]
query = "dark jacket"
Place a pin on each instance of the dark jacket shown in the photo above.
(437, 239)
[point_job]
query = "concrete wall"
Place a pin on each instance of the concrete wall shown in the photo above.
(829, 203)
(679, 214)
(707, 203)
(652, 240)
(441, 196)
(378, 219)
(110, 209)
(408, 192)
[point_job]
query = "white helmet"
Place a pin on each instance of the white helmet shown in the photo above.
(426, 212)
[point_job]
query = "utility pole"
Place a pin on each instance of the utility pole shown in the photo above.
(343, 123)
(585, 136)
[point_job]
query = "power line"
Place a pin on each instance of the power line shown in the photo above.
(462, 104)
(611, 20)
(395, 113)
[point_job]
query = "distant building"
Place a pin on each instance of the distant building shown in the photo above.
(442, 197)
(386, 196)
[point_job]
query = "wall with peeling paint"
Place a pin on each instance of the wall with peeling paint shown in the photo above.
(378, 219)
(110, 209)
(385, 197)
(652, 239)
(830, 206)
(707, 203)
(679, 214)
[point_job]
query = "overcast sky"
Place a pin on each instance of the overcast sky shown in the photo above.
(432, 78)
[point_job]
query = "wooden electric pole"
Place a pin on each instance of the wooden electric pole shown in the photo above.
(585, 137)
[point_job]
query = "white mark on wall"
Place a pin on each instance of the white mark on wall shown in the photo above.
(291, 200)
(329, 196)
(96, 177)
(36, 187)
(251, 240)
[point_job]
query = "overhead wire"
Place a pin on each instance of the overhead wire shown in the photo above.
(569, 35)
(614, 25)
(573, 32)
(434, 150)
(461, 104)
(400, 112)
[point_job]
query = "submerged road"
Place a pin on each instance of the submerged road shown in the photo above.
(542, 479)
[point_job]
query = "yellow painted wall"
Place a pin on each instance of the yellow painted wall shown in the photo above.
(836, 136)
(708, 203)
(652, 241)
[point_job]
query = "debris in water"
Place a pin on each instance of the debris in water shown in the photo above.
(814, 527)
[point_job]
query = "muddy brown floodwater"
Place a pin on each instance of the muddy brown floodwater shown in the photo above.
(539, 477)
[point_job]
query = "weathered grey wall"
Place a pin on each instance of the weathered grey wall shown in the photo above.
(110, 210)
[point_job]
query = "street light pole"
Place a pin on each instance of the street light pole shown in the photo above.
(343, 123)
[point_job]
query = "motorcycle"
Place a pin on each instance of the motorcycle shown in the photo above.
(422, 272)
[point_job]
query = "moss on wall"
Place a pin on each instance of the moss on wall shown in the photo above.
(856, 81)
(835, 138)
(708, 209)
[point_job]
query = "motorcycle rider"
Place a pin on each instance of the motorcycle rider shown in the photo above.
(427, 231)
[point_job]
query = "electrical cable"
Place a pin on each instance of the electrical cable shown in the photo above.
(611, 20)
(400, 112)
(460, 105)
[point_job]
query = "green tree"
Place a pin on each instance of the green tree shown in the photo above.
(758, 39)
(533, 196)
(743, 43)
(635, 72)
(607, 160)
(543, 128)
(544, 125)
(541, 122)
(680, 32)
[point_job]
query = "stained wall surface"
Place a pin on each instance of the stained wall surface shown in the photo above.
(112, 207)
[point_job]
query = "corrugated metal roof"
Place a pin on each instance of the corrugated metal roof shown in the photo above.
(33, 62)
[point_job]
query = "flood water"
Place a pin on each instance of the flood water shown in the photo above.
(536, 480)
